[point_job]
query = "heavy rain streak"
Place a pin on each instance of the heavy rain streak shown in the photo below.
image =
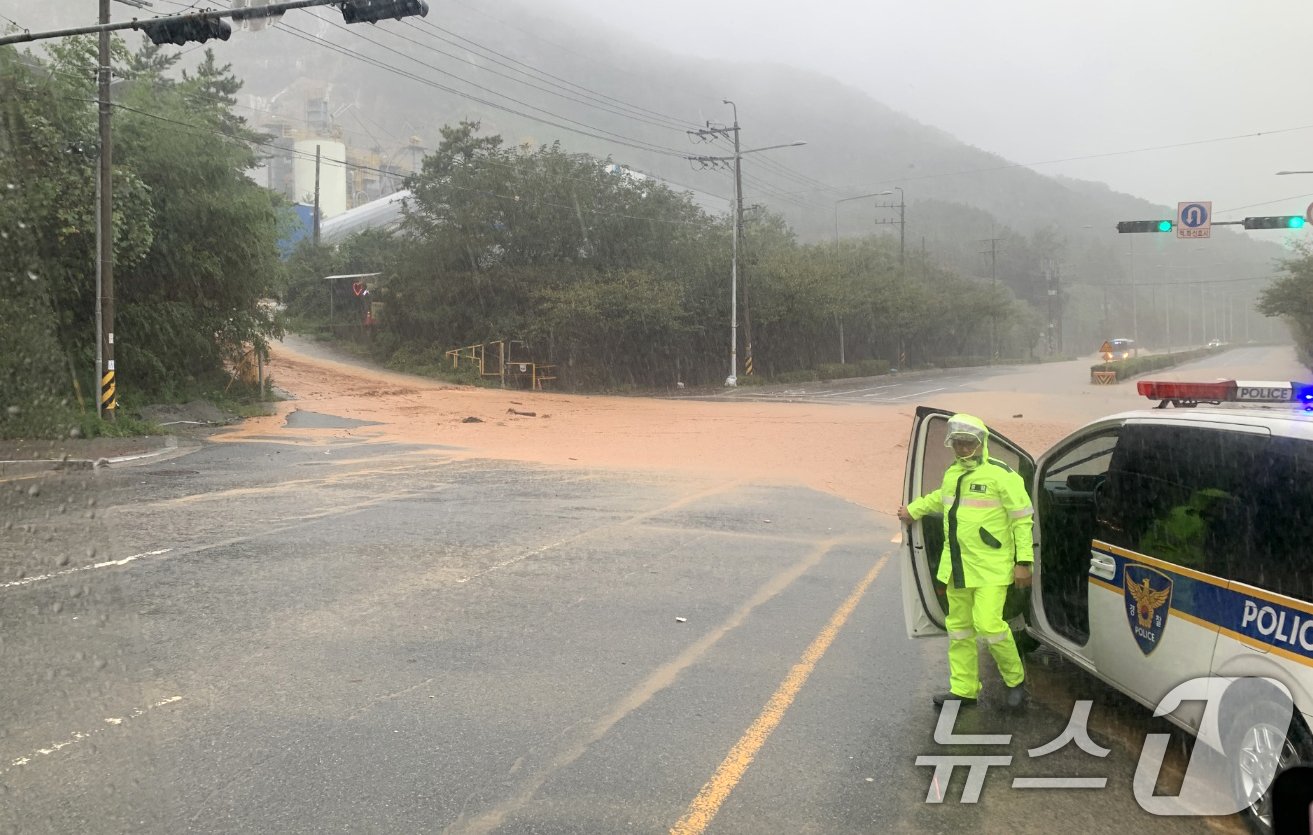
(440, 415)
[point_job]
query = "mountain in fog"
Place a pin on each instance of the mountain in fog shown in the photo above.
(386, 90)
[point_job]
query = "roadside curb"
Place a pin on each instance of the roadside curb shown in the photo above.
(41, 465)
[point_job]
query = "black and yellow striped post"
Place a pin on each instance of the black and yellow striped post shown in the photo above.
(747, 366)
(108, 392)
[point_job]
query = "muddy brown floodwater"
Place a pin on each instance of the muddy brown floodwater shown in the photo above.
(856, 452)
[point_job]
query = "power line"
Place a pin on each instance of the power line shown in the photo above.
(588, 130)
(569, 51)
(783, 170)
(591, 131)
(305, 36)
(549, 91)
(1264, 203)
(202, 129)
(534, 72)
(673, 122)
(1083, 157)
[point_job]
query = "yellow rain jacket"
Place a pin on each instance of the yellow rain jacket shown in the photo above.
(987, 518)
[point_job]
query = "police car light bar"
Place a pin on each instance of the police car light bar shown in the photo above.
(1227, 391)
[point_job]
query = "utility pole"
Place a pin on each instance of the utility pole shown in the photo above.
(1057, 304)
(1050, 290)
(316, 225)
(902, 232)
(108, 400)
(707, 161)
(710, 133)
(901, 206)
(993, 283)
(738, 237)
(1135, 302)
(1167, 315)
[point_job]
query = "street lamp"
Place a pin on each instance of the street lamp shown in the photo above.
(1279, 173)
(845, 200)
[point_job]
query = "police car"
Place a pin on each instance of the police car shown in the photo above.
(1171, 544)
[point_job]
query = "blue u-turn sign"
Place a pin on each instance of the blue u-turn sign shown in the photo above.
(1194, 220)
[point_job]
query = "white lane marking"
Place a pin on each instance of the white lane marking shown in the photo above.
(106, 564)
(78, 736)
(193, 549)
(513, 560)
(916, 393)
(856, 391)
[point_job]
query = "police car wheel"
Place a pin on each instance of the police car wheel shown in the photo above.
(1251, 745)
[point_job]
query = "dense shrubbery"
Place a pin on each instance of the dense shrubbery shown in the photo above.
(622, 283)
(1134, 366)
(194, 238)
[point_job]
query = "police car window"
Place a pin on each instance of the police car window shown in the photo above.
(1091, 458)
(936, 457)
(1185, 495)
(1067, 506)
(1279, 557)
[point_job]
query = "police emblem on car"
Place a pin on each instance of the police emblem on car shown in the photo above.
(1148, 595)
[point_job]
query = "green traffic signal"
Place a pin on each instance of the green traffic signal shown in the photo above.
(1275, 222)
(1145, 226)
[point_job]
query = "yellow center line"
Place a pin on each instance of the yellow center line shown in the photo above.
(704, 807)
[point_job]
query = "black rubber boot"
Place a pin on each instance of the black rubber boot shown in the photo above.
(1017, 697)
(940, 698)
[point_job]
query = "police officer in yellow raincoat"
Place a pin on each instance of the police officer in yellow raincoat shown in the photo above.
(987, 547)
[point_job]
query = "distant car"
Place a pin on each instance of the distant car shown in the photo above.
(1215, 343)
(1117, 349)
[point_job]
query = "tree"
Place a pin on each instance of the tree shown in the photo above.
(1291, 298)
(193, 303)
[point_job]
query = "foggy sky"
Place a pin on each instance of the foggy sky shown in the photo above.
(1039, 80)
(1032, 80)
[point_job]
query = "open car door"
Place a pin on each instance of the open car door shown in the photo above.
(924, 599)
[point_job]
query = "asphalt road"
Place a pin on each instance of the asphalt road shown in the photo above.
(300, 635)
(1071, 377)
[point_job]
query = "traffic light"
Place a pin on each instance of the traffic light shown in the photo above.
(1144, 226)
(1278, 222)
(178, 31)
(372, 11)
